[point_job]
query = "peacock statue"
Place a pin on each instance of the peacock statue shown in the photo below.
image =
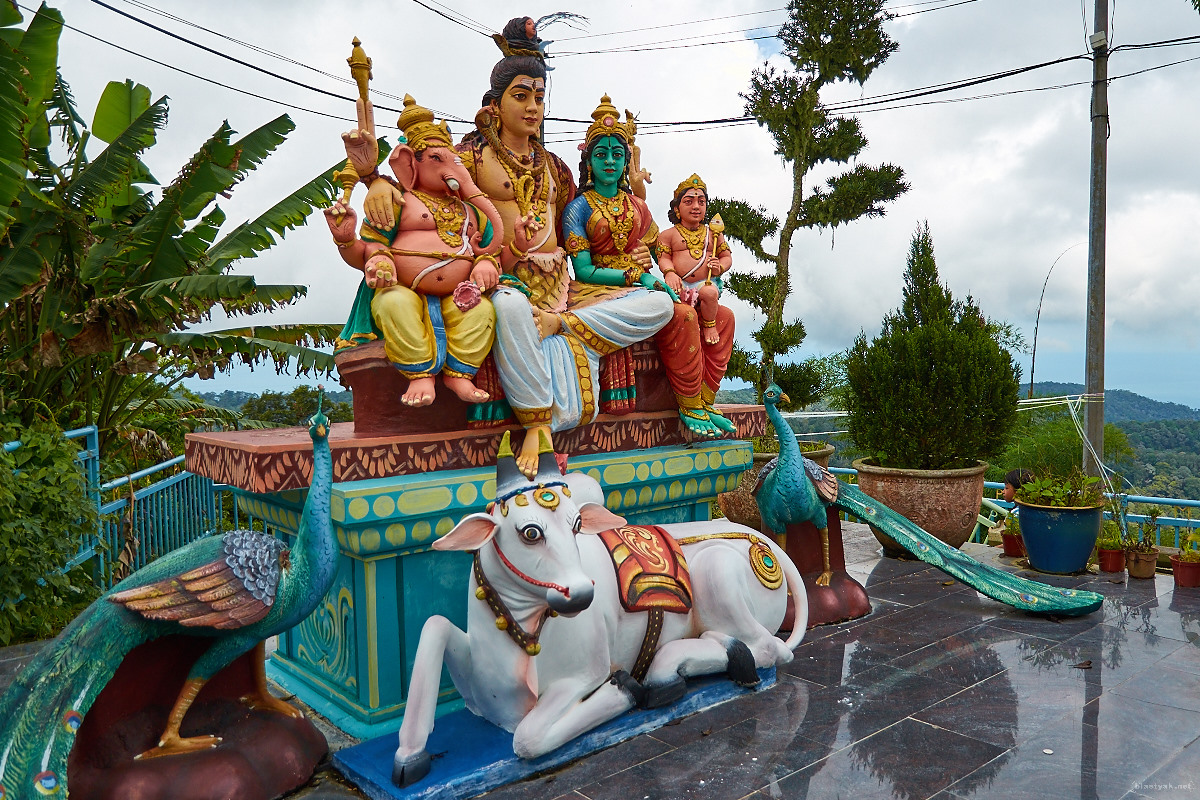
(792, 489)
(238, 588)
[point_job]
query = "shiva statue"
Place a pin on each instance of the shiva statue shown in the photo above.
(426, 266)
(550, 331)
(693, 256)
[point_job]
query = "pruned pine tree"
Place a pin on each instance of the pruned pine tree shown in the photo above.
(826, 41)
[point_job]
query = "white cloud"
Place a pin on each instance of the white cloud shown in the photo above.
(1003, 181)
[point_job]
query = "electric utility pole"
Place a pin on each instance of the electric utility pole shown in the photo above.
(1094, 365)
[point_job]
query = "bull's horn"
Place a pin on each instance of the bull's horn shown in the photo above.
(508, 475)
(547, 464)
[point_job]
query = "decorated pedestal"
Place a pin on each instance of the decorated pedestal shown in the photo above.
(351, 658)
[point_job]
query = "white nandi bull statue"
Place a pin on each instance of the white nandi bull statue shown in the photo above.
(551, 648)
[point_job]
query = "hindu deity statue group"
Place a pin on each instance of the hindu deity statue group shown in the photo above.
(491, 247)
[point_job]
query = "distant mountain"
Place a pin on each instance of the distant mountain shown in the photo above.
(745, 396)
(1120, 405)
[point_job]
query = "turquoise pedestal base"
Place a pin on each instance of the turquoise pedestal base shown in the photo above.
(351, 658)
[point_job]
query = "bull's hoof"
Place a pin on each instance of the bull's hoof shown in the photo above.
(627, 682)
(741, 669)
(406, 772)
(664, 694)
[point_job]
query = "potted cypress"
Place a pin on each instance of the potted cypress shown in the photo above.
(928, 399)
(1060, 521)
(1186, 566)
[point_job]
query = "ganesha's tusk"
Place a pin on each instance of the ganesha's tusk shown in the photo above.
(452, 184)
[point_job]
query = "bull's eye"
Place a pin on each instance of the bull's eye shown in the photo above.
(578, 525)
(531, 534)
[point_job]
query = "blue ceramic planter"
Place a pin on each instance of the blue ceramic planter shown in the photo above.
(1059, 540)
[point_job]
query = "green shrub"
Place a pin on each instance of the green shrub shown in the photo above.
(935, 389)
(1076, 490)
(45, 514)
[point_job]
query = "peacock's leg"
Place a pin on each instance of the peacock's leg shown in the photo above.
(823, 578)
(261, 698)
(171, 742)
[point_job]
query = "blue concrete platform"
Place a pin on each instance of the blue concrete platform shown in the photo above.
(472, 756)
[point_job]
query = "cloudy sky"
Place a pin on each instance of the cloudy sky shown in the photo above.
(1002, 178)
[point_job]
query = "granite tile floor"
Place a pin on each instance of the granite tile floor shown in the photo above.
(938, 693)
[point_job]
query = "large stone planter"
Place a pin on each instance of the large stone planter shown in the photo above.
(740, 506)
(944, 502)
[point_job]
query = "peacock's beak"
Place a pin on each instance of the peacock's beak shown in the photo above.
(783, 396)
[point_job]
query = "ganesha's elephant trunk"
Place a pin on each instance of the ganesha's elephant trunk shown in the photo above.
(471, 194)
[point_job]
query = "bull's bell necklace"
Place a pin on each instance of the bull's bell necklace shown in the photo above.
(504, 618)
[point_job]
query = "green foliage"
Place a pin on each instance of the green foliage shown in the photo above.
(99, 277)
(935, 390)
(825, 41)
(1189, 547)
(276, 408)
(1075, 490)
(1047, 442)
(45, 514)
(1143, 538)
(1110, 535)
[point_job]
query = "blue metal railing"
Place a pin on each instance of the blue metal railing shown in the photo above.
(139, 525)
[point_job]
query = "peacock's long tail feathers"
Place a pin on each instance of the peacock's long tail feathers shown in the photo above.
(44, 707)
(995, 583)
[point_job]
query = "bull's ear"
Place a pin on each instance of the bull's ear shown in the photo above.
(472, 533)
(596, 518)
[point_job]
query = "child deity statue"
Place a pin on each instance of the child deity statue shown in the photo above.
(693, 255)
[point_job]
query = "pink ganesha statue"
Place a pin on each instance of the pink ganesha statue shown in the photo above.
(424, 277)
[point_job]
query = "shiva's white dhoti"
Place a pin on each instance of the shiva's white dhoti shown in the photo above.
(556, 381)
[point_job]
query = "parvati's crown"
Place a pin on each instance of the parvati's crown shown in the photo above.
(417, 124)
(607, 123)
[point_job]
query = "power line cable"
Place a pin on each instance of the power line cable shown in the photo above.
(470, 24)
(243, 63)
(1182, 40)
(926, 10)
(662, 45)
(731, 16)
(200, 77)
(251, 46)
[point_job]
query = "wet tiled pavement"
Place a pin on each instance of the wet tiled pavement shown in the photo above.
(938, 693)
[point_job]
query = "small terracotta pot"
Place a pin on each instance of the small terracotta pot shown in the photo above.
(1112, 560)
(1187, 573)
(1013, 546)
(1141, 565)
